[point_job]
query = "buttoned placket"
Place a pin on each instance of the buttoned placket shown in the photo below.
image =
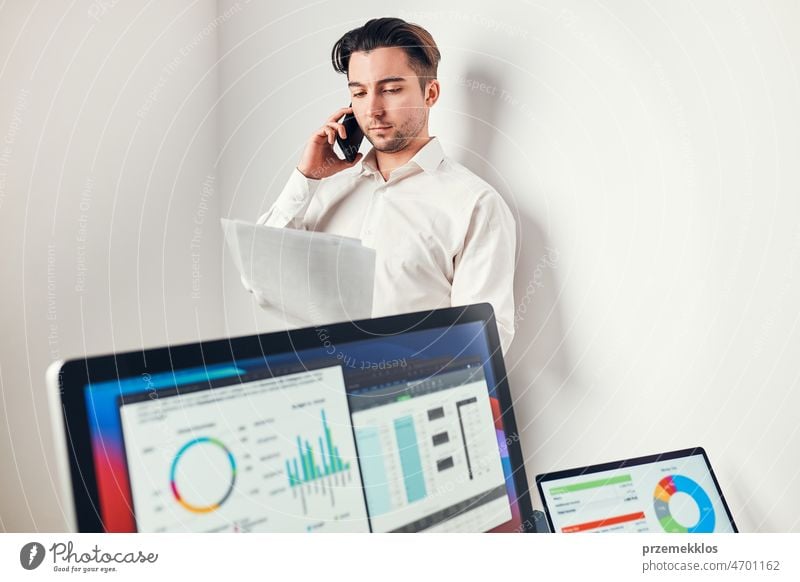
(368, 227)
(376, 201)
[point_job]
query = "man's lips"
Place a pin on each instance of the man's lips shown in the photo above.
(380, 127)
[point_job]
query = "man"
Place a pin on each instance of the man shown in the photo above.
(442, 235)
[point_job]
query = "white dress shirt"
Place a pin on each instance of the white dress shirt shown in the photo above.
(442, 235)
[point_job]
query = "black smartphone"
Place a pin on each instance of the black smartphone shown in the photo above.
(355, 136)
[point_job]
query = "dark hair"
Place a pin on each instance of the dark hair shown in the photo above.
(418, 44)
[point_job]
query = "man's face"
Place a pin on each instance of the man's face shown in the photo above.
(387, 100)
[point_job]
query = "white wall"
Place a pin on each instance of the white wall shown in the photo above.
(649, 153)
(107, 151)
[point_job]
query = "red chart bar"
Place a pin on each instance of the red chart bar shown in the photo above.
(603, 522)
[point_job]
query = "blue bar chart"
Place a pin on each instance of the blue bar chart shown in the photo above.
(413, 477)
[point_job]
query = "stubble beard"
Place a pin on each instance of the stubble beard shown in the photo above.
(403, 136)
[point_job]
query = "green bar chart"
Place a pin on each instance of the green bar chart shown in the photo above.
(315, 462)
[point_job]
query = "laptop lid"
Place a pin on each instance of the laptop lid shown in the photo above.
(400, 423)
(674, 492)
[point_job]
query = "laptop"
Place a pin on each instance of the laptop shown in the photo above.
(673, 492)
(394, 424)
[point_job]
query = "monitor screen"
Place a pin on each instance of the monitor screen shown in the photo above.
(670, 494)
(398, 433)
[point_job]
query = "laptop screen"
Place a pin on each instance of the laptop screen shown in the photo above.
(399, 433)
(670, 493)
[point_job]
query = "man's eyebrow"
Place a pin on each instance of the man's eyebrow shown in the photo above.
(381, 82)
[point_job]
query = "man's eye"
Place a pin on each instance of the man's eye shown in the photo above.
(391, 90)
(361, 94)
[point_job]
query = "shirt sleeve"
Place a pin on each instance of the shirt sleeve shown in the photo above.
(288, 211)
(484, 269)
(290, 208)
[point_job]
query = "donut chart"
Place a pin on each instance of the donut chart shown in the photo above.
(225, 476)
(669, 486)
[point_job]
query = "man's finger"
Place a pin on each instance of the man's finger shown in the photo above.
(338, 115)
(339, 128)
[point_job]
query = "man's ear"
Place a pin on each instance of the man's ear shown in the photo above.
(432, 91)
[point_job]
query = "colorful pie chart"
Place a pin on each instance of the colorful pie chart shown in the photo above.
(669, 486)
(202, 475)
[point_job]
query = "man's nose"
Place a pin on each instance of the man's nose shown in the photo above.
(375, 105)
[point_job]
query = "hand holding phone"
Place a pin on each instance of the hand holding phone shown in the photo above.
(351, 143)
(319, 160)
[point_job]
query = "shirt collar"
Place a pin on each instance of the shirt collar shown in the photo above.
(427, 158)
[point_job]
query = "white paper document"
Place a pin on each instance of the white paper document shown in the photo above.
(309, 277)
